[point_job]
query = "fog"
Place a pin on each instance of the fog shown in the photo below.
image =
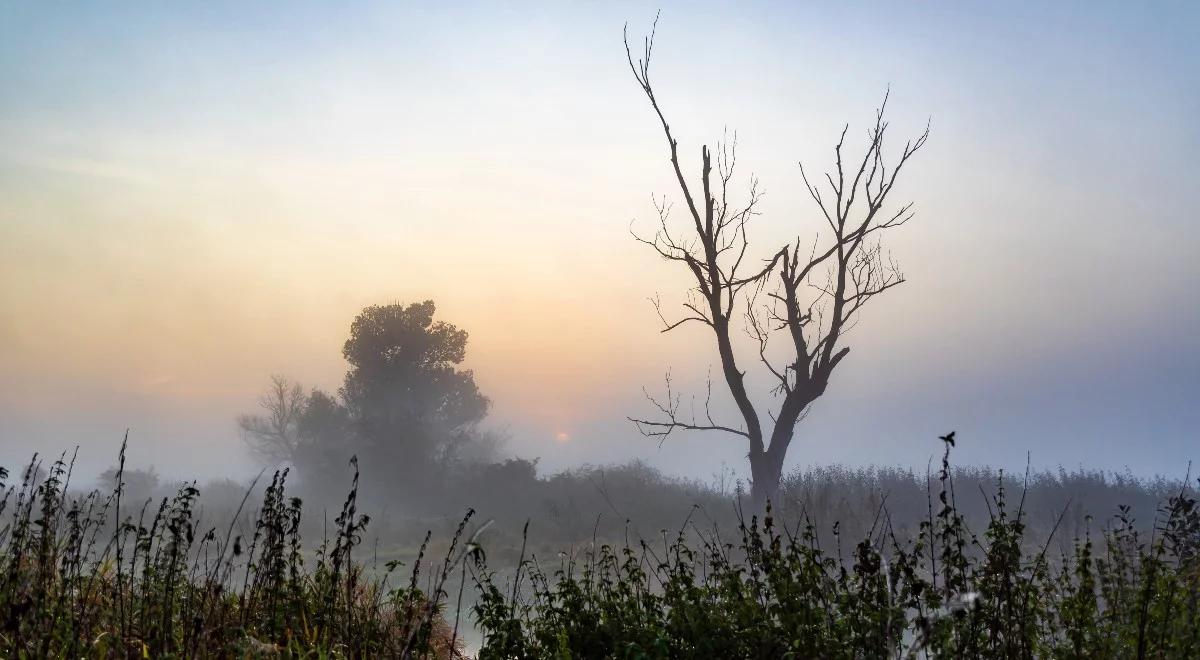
(192, 200)
(315, 318)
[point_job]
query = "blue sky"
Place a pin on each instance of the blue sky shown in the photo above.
(194, 196)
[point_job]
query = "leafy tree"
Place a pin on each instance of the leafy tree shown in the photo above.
(410, 403)
(324, 420)
(138, 485)
(405, 405)
(326, 435)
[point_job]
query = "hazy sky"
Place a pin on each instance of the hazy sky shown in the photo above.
(196, 195)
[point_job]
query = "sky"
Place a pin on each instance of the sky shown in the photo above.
(194, 196)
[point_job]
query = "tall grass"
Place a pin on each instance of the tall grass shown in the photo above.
(98, 576)
(948, 592)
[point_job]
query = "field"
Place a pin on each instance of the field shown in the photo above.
(95, 575)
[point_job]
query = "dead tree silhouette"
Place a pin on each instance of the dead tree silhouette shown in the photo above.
(275, 437)
(813, 296)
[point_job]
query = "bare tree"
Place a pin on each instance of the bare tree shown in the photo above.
(813, 296)
(275, 436)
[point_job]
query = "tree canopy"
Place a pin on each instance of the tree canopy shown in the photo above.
(411, 404)
(403, 369)
(405, 404)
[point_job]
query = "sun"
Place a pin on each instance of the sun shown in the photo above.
(562, 437)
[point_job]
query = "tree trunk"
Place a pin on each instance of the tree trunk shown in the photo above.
(766, 471)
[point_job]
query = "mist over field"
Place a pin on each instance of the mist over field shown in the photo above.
(591, 272)
(196, 198)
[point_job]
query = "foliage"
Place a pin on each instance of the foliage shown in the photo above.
(97, 575)
(777, 593)
(404, 404)
(403, 366)
(86, 576)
